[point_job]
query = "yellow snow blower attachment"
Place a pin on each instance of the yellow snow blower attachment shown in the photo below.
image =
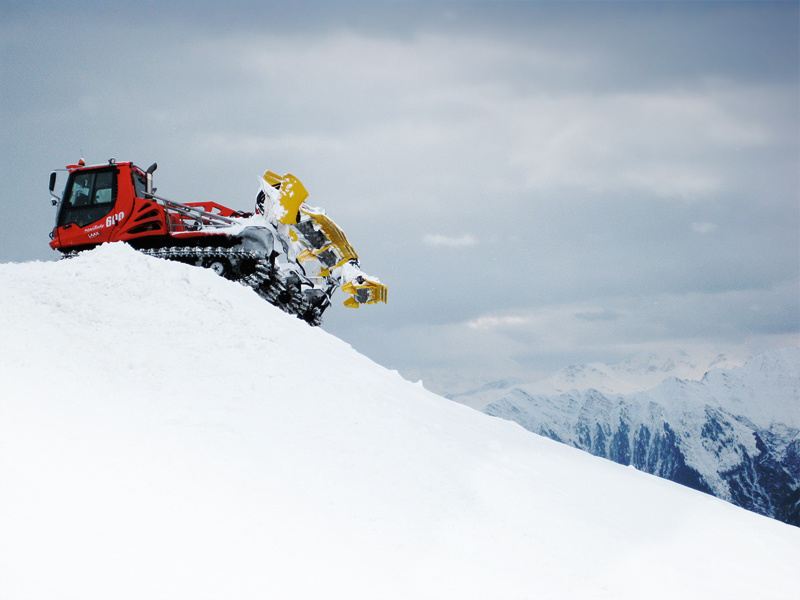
(364, 292)
(334, 251)
(292, 195)
(325, 257)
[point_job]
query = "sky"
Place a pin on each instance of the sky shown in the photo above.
(538, 183)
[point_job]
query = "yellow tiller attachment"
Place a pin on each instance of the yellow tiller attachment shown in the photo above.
(337, 252)
(367, 292)
(293, 194)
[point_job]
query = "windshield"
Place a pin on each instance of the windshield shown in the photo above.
(90, 196)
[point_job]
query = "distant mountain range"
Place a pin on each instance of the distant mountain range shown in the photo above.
(734, 433)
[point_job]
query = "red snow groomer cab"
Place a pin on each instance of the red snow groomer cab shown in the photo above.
(291, 254)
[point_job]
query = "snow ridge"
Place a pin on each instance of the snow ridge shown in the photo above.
(165, 433)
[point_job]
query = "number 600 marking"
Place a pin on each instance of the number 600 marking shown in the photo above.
(114, 219)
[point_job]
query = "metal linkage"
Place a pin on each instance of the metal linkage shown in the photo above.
(201, 218)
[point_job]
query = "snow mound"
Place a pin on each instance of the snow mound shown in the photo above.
(165, 433)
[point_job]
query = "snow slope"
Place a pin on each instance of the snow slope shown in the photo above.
(165, 433)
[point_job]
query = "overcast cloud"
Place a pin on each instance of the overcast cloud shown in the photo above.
(538, 183)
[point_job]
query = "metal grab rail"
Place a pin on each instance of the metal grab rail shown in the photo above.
(199, 218)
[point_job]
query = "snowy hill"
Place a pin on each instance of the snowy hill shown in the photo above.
(735, 433)
(165, 433)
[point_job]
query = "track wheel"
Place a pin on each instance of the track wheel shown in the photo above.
(220, 266)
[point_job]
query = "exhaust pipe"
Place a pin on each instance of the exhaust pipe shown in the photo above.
(149, 189)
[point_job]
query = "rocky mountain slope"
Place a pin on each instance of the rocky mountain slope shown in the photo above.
(734, 434)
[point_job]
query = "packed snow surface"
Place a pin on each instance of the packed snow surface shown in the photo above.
(167, 434)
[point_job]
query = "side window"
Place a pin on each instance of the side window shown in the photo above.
(103, 188)
(90, 197)
(139, 183)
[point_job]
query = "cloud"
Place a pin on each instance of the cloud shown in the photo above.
(436, 239)
(599, 315)
(703, 228)
(495, 322)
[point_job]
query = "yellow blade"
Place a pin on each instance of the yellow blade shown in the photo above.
(293, 194)
(368, 292)
(273, 179)
(339, 245)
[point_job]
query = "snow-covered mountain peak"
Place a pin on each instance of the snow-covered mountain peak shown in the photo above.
(766, 389)
(635, 374)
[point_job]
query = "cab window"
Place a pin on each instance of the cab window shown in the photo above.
(90, 196)
(103, 188)
(139, 182)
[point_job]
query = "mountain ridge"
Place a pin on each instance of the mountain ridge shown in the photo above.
(735, 433)
(638, 373)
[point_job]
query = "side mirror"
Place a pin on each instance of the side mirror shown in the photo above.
(56, 198)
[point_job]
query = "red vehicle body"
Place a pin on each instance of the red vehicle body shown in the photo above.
(114, 202)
